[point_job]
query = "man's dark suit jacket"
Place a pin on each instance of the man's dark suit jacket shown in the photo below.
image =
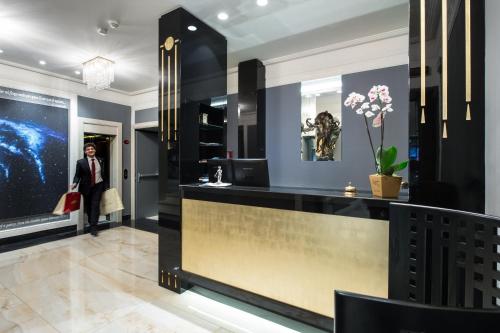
(83, 175)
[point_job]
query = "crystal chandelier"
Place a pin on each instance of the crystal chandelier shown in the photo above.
(98, 73)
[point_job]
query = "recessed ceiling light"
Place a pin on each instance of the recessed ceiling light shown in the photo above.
(261, 3)
(1, 51)
(222, 16)
(77, 72)
(102, 31)
(42, 62)
(192, 28)
(113, 24)
(317, 95)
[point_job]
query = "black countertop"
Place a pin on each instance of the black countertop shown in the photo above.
(336, 202)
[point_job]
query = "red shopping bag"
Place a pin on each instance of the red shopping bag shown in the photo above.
(69, 202)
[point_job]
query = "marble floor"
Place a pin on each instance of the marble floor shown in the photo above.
(109, 284)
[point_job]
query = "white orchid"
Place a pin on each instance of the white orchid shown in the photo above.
(388, 108)
(354, 99)
(380, 102)
(386, 99)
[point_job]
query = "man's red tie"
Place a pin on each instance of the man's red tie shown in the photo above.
(92, 181)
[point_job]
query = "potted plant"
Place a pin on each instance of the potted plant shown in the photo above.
(385, 182)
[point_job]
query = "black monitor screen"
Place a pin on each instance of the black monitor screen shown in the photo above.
(250, 172)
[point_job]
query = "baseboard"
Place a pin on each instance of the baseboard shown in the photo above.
(36, 238)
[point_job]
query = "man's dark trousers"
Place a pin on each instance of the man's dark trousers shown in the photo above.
(92, 200)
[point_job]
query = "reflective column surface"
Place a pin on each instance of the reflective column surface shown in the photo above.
(447, 104)
(192, 71)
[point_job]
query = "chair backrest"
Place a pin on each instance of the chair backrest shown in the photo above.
(360, 314)
(444, 257)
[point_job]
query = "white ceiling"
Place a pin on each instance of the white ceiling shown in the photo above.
(63, 32)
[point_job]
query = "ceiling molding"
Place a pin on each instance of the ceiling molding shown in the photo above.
(339, 46)
(67, 78)
(143, 91)
(23, 77)
(233, 71)
(329, 48)
(40, 71)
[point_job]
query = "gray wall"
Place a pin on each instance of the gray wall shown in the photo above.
(96, 109)
(146, 115)
(283, 108)
(492, 153)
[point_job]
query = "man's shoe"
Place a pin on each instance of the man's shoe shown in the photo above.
(93, 231)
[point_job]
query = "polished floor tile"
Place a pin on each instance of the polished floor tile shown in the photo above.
(16, 316)
(109, 284)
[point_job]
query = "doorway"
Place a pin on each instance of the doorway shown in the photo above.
(103, 150)
(107, 136)
(146, 190)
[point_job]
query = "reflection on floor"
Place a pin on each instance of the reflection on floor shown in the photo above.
(143, 224)
(109, 284)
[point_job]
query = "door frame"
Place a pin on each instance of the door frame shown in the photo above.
(133, 162)
(112, 128)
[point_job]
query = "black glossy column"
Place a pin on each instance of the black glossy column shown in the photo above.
(447, 166)
(192, 71)
(251, 109)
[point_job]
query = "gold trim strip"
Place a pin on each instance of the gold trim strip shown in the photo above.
(168, 99)
(422, 61)
(468, 59)
(175, 92)
(422, 53)
(162, 93)
(444, 18)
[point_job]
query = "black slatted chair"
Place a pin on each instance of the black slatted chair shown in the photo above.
(363, 314)
(444, 257)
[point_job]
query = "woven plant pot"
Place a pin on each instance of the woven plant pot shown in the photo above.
(385, 186)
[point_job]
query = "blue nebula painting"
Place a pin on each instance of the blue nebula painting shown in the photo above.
(33, 158)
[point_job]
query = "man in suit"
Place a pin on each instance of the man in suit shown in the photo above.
(91, 178)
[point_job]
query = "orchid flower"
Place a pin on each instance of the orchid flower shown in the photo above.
(380, 103)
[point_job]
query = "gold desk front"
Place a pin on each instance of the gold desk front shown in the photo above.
(298, 258)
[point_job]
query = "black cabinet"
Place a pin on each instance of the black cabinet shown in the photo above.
(192, 77)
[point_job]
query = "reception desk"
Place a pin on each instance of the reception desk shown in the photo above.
(285, 249)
